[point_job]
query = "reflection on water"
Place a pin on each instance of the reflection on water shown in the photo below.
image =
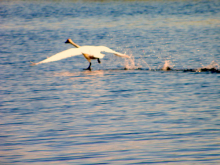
(77, 74)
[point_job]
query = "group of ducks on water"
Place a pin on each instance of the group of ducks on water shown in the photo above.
(94, 53)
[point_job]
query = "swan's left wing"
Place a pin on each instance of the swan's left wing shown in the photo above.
(106, 49)
(62, 55)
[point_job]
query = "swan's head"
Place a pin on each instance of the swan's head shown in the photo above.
(68, 41)
(71, 42)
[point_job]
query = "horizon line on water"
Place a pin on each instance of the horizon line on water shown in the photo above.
(102, 1)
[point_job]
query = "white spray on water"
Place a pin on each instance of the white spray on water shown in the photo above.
(132, 63)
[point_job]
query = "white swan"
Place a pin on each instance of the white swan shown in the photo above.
(89, 52)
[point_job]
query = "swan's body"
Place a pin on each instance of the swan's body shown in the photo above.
(89, 52)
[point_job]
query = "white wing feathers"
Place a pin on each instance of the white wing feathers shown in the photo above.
(106, 49)
(61, 55)
(94, 51)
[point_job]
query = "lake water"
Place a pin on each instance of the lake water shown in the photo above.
(58, 113)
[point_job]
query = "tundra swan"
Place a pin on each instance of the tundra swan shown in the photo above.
(89, 52)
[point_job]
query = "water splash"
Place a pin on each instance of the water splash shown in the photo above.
(213, 66)
(167, 66)
(132, 63)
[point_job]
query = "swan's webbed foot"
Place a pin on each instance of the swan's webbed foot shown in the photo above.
(98, 60)
(89, 67)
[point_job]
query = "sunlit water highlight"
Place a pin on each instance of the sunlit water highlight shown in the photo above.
(124, 111)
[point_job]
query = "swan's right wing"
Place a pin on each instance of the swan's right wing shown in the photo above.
(62, 55)
(106, 49)
(121, 55)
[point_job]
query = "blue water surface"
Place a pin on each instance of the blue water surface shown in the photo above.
(58, 113)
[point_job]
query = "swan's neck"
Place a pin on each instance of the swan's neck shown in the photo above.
(74, 44)
(77, 46)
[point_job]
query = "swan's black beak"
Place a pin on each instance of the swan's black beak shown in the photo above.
(67, 41)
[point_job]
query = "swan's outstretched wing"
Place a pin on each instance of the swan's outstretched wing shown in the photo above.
(92, 51)
(106, 49)
(62, 55)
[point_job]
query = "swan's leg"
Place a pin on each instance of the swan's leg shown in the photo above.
(98, 60)
(89, 67)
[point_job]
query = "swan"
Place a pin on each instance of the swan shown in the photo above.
(89, 52)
